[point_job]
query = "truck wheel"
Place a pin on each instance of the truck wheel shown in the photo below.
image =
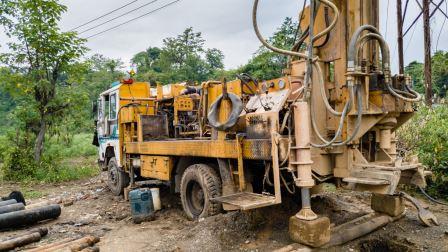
(116, 180)
(199, 184)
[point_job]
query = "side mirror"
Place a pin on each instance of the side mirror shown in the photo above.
(95, 110)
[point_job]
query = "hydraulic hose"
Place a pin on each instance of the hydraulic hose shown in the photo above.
(322, 91)
(353, 52)
(333, 23)
(341, 123)
(237, 108)
(353, 42)
(338, 132)
(385, 52)
(265, 43)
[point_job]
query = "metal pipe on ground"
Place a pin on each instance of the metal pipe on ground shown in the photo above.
(91, 249)
(359, 227)
(75, 245)
(50, 245)
(23, 239)
(12, 208)
(29, 217)
(8, 202)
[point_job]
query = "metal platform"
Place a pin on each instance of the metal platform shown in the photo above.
(246, 200)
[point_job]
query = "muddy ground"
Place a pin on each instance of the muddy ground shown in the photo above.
(91, 209)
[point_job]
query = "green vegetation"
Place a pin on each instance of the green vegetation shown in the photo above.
(64, 160)
(183, 58)
(47, 88)
(426, 135)
(439, 74)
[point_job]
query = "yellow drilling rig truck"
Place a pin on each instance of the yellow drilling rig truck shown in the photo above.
(240, 144)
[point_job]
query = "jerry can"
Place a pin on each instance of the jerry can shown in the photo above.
(142, 207)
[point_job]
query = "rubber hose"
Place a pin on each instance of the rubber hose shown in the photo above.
(237, 108)
(353, 42)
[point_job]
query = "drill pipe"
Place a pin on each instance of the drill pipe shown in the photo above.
(28, 217)
(7, 202)
(12, 208)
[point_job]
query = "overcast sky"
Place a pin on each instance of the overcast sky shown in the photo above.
(225, 24)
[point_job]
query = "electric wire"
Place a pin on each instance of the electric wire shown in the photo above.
(441, 29)
(117, 17)
(387, 19)
(104, 15)
(131, 20)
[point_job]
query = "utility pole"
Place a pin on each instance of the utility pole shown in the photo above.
(400, 36)
(427, 45)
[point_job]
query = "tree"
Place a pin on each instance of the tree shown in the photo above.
(182, 58)
(146, 60)
(266, 64)
(41, 54)
(439, 74)
(415, 70)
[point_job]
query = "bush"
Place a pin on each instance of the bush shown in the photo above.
(62, 160)
(426, 135)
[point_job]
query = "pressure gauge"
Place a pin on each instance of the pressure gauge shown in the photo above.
(281, 84)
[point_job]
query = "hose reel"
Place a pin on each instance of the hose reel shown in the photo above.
(237, 108)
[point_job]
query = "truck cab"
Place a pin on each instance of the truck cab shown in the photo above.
(107, 125)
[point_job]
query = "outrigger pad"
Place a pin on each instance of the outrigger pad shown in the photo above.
(392, 205)
(314, 233)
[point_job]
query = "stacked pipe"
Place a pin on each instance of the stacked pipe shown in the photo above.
(86, 243)
(23, 239)
(29, 216)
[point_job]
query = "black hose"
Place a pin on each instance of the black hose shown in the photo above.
(237, 108)
(431, 198)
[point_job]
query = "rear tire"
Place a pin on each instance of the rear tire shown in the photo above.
(117, 180)
(199, 184)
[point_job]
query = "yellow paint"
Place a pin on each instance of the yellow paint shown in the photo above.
(157, 167)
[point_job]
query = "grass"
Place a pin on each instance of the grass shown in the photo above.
(79, 145)
(32, 194)
(64, 160)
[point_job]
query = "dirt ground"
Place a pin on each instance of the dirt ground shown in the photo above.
(96, 211)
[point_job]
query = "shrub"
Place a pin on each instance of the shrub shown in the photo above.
(426, 135)
(62, 160)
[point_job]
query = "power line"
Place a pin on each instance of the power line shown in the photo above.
(112, 19)
(443, 26)
(387, 19)
(146, 14)
(104, 15)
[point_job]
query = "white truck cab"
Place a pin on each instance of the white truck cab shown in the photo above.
(107, 126)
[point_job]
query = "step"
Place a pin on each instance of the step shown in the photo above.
(366, 181)
(246, 200)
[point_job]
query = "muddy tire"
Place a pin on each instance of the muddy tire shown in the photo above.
(117, 180)
(199, 184)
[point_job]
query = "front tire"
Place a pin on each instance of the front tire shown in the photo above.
(199, 184)
(117, 180)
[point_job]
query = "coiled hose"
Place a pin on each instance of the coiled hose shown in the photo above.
(237, 108)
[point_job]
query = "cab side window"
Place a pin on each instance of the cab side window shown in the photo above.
(113, 107)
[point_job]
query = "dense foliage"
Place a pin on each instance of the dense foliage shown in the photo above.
(439, 74)
(426, 135)
(182, 58)
(42, 61)
(265, 64)
(46, 91)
